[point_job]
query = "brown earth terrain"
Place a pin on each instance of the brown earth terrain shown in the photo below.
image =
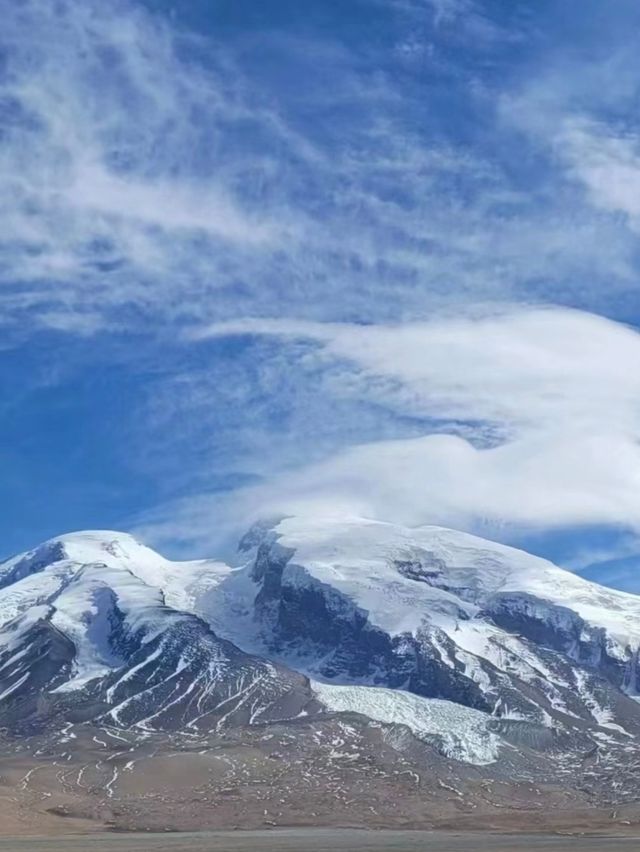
(90, 779)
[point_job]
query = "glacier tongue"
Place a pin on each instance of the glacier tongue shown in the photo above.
(459, 732)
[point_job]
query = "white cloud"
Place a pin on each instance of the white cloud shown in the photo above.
(558, 391)
(166, 204)
(522, 368)
(581, 107)
(549, 480)
(607, 164)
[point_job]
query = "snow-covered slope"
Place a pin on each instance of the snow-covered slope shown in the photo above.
(96, 578)
(51, 564)
(398, 574)
(92, 622)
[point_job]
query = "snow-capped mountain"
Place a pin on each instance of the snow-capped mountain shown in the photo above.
(95, 625)
(434, 612)
(327, 635)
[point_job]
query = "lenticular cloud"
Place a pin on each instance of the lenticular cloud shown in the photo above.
(541, 420)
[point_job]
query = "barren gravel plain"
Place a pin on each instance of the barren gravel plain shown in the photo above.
(321, 840)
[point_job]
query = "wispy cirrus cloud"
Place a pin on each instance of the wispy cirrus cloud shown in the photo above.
(606, 160)
(113, 178)
(149, 170)
(580, 109)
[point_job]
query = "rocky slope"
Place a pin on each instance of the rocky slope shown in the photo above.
(352, 655)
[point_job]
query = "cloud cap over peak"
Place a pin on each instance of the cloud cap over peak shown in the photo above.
(530, 420)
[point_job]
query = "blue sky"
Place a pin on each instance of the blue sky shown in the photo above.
(376, 256)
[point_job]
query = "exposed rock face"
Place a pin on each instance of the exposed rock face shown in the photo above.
(329, 626)
(34, 661)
